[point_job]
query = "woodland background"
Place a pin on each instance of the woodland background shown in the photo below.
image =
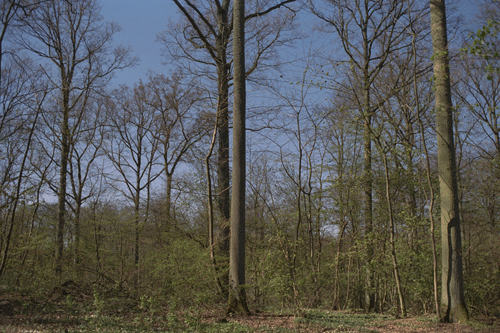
(111, 188)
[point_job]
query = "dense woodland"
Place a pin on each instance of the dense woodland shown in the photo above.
(126, 189)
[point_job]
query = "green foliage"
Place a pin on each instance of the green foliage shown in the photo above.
(174, 274)
(481, 44)
(98, 304)
(339, 321)
(485, 45)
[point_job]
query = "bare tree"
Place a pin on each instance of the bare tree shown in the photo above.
(132, 149)
(479, 92)
(16, 149)
(70, 35)
(21, 96)
(84, 175)
(179, 123)
(204, 39)
(370, 32)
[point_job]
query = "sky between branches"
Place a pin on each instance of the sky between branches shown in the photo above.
(142, 20)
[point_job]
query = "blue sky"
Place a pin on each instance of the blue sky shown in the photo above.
(142, 20)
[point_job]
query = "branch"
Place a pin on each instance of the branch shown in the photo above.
(195, 26)
(283, 3)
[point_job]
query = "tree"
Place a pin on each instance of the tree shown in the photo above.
(479, 183)
(21, 95)
(452, 290)
(479, 84)
(301, 159)
(237, 294)
(72, 37)
(204, 39)
(85, 151)
(370, 33)
(133, 151)
(178, 126)
(17, 148)
(484, 43)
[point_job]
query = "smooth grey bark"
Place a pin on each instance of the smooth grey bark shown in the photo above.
(237, 302)
(453, 308)
(368, 193)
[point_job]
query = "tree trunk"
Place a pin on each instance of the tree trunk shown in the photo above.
(223, 174)
(368, 199)
(168, 199)
(63, 173)
(237, 295)
(137, 232)
(392, 233)
(78, 210)
(452, 293)
(211, 239)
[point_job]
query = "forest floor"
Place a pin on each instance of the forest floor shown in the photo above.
(323, 321)
(122, 315)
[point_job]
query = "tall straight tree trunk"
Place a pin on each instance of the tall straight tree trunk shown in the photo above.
(223, 173)
(168, 206)
(216, 47)
(78, 212)
(392, 239)
(63, 173)
(368, 197)
(452, 293)
(137, 230)
(237, 295)
(211, 239)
